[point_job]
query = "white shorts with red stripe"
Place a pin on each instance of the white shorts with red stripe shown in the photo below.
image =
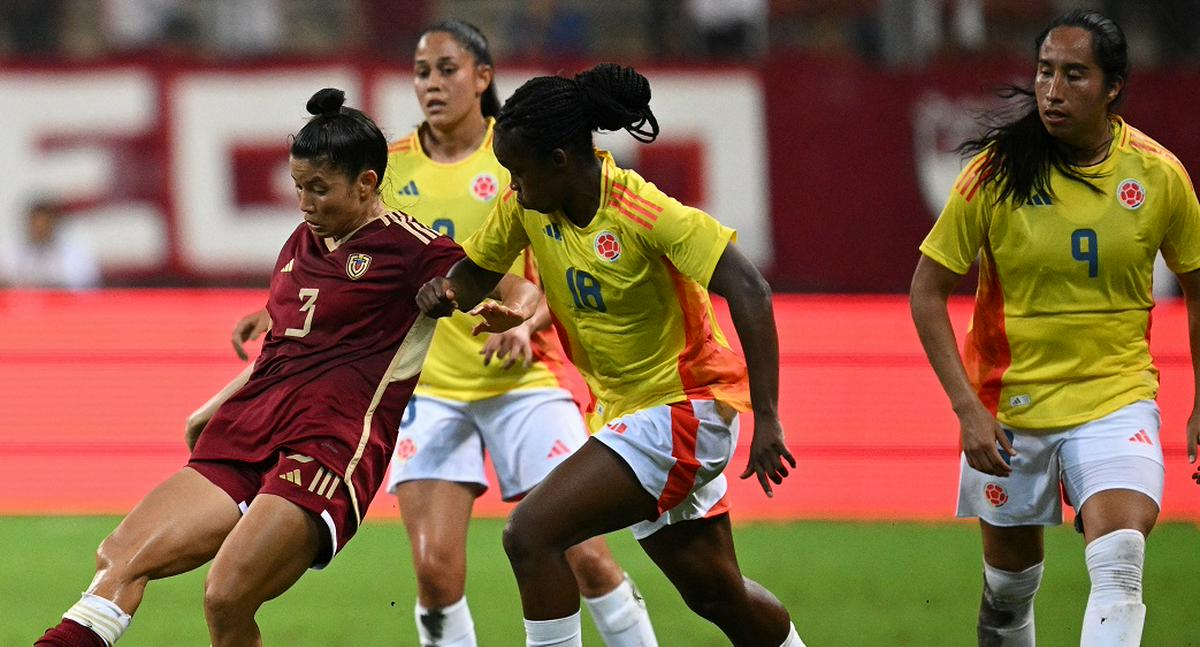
(1118, 451)
(678, 452)
(528, 433)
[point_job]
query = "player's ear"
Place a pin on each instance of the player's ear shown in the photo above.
(558, 158)
(366, 183)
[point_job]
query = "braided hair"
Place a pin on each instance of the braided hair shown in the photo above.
(556, 112)
(345, 138)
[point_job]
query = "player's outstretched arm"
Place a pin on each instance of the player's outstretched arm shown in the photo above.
(749, 297)
(200, 417)
(928, 295)
(1190, 283)
(464, 286)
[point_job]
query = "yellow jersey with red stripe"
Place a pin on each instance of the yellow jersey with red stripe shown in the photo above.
(1060, 332)
(455, 199)
(628, 293)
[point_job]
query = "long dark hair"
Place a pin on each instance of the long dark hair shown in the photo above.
(345, 138)
(1022, 152)
(472, 39)
(556, 112)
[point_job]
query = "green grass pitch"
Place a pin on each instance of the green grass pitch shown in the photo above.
(844, 583)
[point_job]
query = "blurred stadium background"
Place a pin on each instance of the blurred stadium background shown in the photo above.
(822, 130)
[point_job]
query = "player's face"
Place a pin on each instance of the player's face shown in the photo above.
(332, 203)
(1072, 95)
(537, 182)
(448, 80)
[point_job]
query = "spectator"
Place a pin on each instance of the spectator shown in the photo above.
(49, 258)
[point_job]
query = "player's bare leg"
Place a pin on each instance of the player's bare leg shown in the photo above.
(269, 549)
(1115, 526)
(699, 559)
(611, 598)
(592, 493)
(436, 514)
(1012, 559)
(177, 527)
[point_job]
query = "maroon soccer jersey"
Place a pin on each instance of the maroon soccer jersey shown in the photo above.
(342, 356)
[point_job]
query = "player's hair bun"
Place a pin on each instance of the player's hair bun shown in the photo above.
(326, 102)
(616, 97)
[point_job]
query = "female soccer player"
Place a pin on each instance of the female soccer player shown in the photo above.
(446, 175)
(625, 270)
(292, 459)
(1066, 207)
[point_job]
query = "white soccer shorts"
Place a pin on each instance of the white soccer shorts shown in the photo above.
(528, 433)
(1119, 451)
(678, 452)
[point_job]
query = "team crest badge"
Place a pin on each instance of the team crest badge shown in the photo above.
(1130, 194)
(995, 494)
(607, 246)
(484, 187)
(357, 265)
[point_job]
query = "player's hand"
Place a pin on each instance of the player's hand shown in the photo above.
(437, 298)
(511, 346)
(497, 317)
(768, 454)
(1193, 439)
(195, 426)
(980, 436)
(249, 328)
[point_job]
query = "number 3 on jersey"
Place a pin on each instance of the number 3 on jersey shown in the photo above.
(585, 290)
(308, 299)
(1085, 249)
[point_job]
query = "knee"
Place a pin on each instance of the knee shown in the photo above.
(225, 600)
(522, 539)
(594, 569)
(715, 599)
(441, 576)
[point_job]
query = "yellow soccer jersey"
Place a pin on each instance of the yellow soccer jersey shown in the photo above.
(1060, 333)
(628, 292)
(455, 199)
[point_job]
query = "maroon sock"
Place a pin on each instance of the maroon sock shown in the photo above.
(69, 633)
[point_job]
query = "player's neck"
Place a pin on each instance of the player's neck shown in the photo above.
(453, 142)
(583, 199)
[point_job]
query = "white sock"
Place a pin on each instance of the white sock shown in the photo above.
(450, 626)
(621, 618)
(560, 632)
(1006, 611)
(793, 639)
(102, 616)
(1115, 613)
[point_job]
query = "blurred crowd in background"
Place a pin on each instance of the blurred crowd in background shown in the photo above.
(888, 33)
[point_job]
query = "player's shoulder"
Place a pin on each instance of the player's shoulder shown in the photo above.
(638, 201)
(407, 146)
(1151, 153)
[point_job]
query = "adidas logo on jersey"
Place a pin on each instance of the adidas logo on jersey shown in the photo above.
(1040, 200)
(409, 189)
(288, 267)
(554, 231)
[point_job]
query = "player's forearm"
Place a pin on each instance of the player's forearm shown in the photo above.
(471, 283)
(200, 417)
(1190, 283)
(932, 319)
(753, 316)
(521, 295)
